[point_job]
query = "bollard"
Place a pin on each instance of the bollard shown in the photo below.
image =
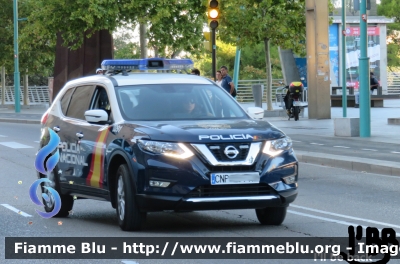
(258, 91)
(379, 90)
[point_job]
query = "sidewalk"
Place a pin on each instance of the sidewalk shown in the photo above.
(381, 131)
(26, 115)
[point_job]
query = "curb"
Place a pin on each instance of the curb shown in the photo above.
(20, 121)
(350, 163)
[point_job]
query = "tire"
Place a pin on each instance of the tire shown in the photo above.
(271, 215)
(67, 201)
(129, 216)
(296, 111)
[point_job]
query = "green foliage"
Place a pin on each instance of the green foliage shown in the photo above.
(272, 22)
(255, 56)
(125, 47)
(281, 22)
(389, 8)
(173, 25)
(36, 53)
(393, 56)
(252, 61)
(6, 33)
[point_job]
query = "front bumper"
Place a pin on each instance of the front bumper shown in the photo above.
(221, 197)
(190, 187)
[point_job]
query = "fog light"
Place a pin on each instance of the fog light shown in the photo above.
(159, 184)
(289, 179)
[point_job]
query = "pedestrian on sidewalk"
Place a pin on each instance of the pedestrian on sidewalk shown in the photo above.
(373, 85)
(227, 82)
(219, 78)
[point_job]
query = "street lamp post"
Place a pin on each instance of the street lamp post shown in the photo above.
(16, 62)
(344, 81)
(365, 97)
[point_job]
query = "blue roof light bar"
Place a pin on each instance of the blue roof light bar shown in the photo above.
(147, 64)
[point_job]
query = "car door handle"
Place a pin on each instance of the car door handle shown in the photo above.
(56, 129)
(79, 135)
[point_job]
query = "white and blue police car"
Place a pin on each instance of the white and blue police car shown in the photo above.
(147, 137)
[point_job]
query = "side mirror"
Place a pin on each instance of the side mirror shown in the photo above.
(255, 112)
(96, 116)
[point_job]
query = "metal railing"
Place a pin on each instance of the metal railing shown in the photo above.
(37, 95)
(245, 92)
(393, 82)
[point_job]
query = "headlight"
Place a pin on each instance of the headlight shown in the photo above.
(276, 147)
(175, 150)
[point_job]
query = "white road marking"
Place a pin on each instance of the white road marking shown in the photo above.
(16, 210)
(331, 220)
(340, 147)
(346, 216)
(2, 136)
(395, 152)
(129, 262)
(317, 144)
(14, 145)
(37, 141)
(370, 149)
(295, 140)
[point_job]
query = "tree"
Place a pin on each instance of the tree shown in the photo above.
(276, 22)
(124, 45)
(6, 33)
(36, 54)
(388, 8)
(173, 24)
(252, 61)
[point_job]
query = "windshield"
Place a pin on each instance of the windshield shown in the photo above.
(177, 102)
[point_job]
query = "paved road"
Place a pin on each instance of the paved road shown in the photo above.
(329, 200)
(347, 147)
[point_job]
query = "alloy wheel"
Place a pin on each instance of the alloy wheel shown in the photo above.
(121, 198)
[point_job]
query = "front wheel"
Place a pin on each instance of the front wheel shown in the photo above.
(296, 111)
(129, 216)
(67, 201)
(271, 215)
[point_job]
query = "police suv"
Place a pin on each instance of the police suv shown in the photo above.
(153, 141)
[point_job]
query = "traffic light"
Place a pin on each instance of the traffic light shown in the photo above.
(356, 5)
(213, 14)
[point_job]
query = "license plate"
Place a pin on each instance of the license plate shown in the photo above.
(296, 103)
(235, 178)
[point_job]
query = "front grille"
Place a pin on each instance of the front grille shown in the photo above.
(231, 168)
(218, 151)
(230, 190)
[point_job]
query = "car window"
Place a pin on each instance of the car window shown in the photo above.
(65, 100)
(177, 102)
(101, 100)
(80, 102)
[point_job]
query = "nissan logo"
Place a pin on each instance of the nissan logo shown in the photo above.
(231, 152)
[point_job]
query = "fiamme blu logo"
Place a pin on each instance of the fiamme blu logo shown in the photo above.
(46, 160)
